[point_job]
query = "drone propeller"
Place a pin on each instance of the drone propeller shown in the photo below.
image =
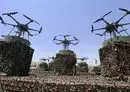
(58, 43)
(102, 18)
(65, 35)
(75, 38)
(12, 13)
(40, 30)
(76, 43)
(54, 38)
(123, 9)
(30, 19)
(92, 28)
(2, 21)
(99, 34)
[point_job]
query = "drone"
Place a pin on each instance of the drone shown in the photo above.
(112, 28)
(53, 58)
(65, 42)
(21, 28)
(83, 59)
(45, 59)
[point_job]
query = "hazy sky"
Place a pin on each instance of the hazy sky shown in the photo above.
(65, 17)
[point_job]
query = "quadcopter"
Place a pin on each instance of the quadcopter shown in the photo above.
(83, 59)
(21, 28)
(65, 42)
(45, 59)
(112, 28)
(53, 58)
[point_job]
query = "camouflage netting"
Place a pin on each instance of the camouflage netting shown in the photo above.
(115, 59)
(97, 69)
(35, 85)
(82, 67)
(15, 58)
(65, 62)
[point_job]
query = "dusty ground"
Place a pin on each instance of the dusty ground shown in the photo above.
(39, 78)
(82, 78)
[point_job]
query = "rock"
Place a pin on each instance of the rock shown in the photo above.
(115, 59)
(65, 62)
(15, 58)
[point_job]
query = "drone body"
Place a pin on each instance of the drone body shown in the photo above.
(113, 27)
(45, 59)
(53, 58)
(21, 28)
(83, 59)
(65, 42)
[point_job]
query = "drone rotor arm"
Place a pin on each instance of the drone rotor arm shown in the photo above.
(58, 40)
(73, 40)
(125, 10)
(10, 24)
(29, 23)
(100, 34)
(58, 43)
(65, 35)
(31, 20)
(103, 18)
(33, 29)
(106, 22)
(74, 43)
(120, 19)
(39, 31)
(98, 20)
(115, 29)
(99, 29)
(124, 24)
(29, 34)
(14, 19)
(107, 14)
